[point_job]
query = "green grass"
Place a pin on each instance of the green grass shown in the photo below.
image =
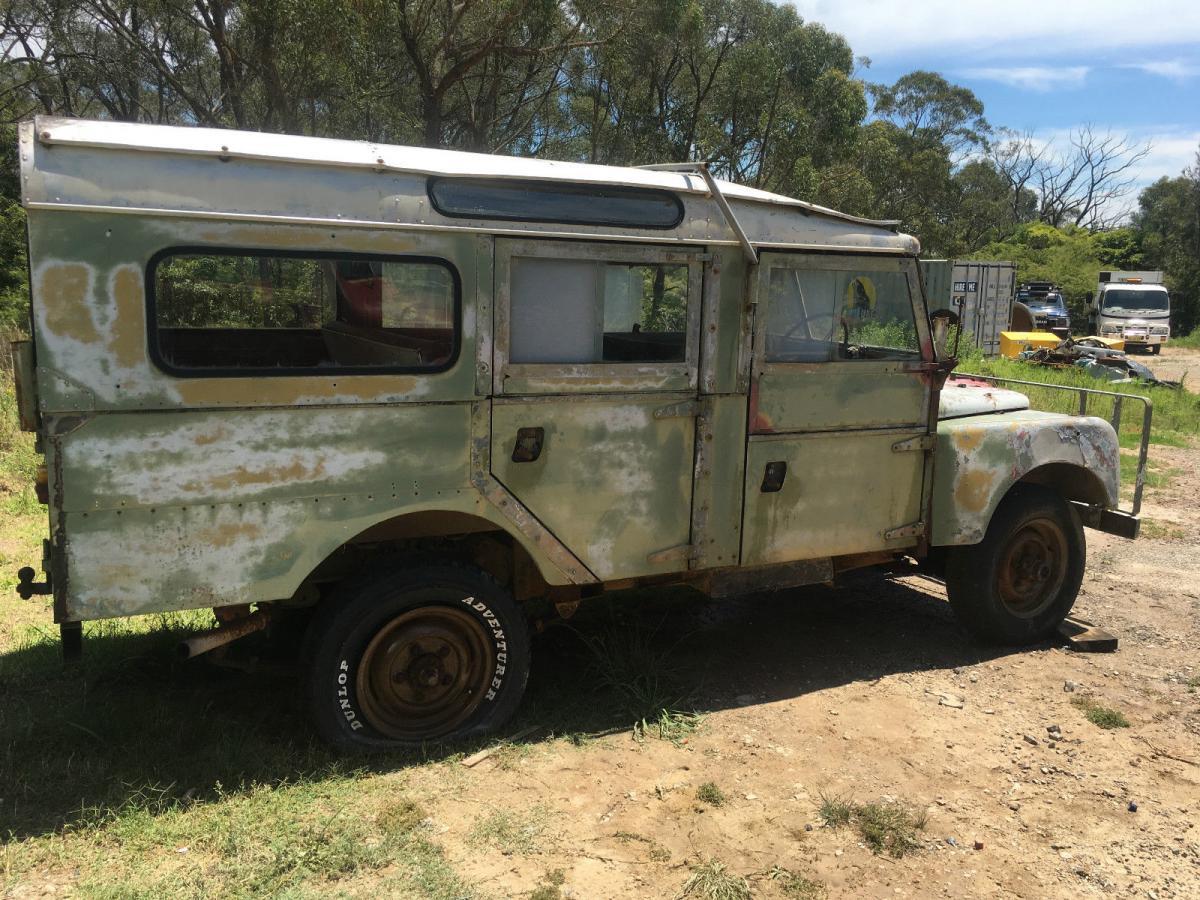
(795, 886)
(1157, 475)
(711, 794)
(885, 827)
(512, 831)
(1101, 716)
(835, 811)
(550, 887)
(1187, 340)
(711, 880)
(1176, 412)
(1152, 528)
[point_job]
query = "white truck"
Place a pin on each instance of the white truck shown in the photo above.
(1133, 306)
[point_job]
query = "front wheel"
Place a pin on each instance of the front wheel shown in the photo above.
(1020, 582)
(411, 655)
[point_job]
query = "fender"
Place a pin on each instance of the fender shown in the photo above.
(979, 458)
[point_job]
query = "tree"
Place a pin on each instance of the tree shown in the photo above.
(1168, 220)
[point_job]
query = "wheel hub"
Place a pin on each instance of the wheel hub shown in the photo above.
(424, 673)
(1033, 567)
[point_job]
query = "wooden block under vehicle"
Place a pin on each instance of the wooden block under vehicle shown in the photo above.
(1086, 637)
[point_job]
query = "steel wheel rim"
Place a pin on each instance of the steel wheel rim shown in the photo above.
(424, 673)
(1033, 568)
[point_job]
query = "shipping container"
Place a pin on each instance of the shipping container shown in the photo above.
(985, 291)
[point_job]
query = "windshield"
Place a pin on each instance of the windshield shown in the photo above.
(1135, 300)
(1041, 301)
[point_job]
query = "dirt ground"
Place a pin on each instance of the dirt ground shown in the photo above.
(1174, 363)
(836, 694)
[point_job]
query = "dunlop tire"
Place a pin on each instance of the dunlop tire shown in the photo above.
(345, 623)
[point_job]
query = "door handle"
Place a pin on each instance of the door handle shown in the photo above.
(773, 477)
(528, 446)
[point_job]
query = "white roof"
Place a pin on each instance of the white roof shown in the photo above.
(260, 145)
(771, 220)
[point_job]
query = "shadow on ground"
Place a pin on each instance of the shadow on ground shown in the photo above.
(133, 726)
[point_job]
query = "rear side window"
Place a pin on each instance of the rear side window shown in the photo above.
(575, 204)
(585, 311)
(284, 314)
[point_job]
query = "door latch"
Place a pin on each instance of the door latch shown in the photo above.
(773, 477)
(529, 444)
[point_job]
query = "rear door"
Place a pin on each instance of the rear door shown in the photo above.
(839, 408)
(595, 387)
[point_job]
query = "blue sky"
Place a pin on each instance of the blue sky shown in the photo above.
(1046, 66)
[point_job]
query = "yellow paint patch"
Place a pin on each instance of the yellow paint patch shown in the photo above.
(973, 489)
(286, 391)
(62, 290)
(968, 441)
(241, 476)
(226, 535)
(127, 342)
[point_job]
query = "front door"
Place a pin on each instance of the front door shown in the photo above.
(595, 385)
(839, 408)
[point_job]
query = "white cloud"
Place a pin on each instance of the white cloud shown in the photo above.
(1174, 69)
(985, 29)
(1033, 78)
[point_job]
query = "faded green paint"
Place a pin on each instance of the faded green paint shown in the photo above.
(841, 493)
(613, 482)
(978, 458)
(125, 460)
(857, 394)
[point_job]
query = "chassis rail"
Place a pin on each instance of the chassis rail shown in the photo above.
(1118, 404)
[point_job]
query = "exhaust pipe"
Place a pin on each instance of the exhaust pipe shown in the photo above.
(223, 634)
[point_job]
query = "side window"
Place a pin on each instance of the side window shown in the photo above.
(280, 314)
(822, 315)
(586, 311)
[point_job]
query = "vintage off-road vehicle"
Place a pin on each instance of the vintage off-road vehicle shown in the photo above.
(423, 392)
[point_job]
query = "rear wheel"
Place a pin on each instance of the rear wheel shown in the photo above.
(408, 656)
(1020, 582)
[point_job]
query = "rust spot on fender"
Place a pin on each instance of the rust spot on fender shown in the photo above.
(973, 489)
(62, 291)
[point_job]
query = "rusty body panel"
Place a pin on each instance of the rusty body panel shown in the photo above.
(174, 490)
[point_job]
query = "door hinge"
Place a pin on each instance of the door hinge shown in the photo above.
(916, 529)
(690, 408)
(678, 553)
(921, 442)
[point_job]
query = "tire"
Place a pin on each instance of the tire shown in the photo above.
(406, 656)
(1020, 582)
(1155, 349)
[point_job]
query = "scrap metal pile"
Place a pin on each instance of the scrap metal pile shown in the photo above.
(1096, 360)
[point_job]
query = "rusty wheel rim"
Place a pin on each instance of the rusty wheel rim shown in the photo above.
(1033, 568)
(424, 673)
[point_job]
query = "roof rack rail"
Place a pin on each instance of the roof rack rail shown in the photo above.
(701, 169)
